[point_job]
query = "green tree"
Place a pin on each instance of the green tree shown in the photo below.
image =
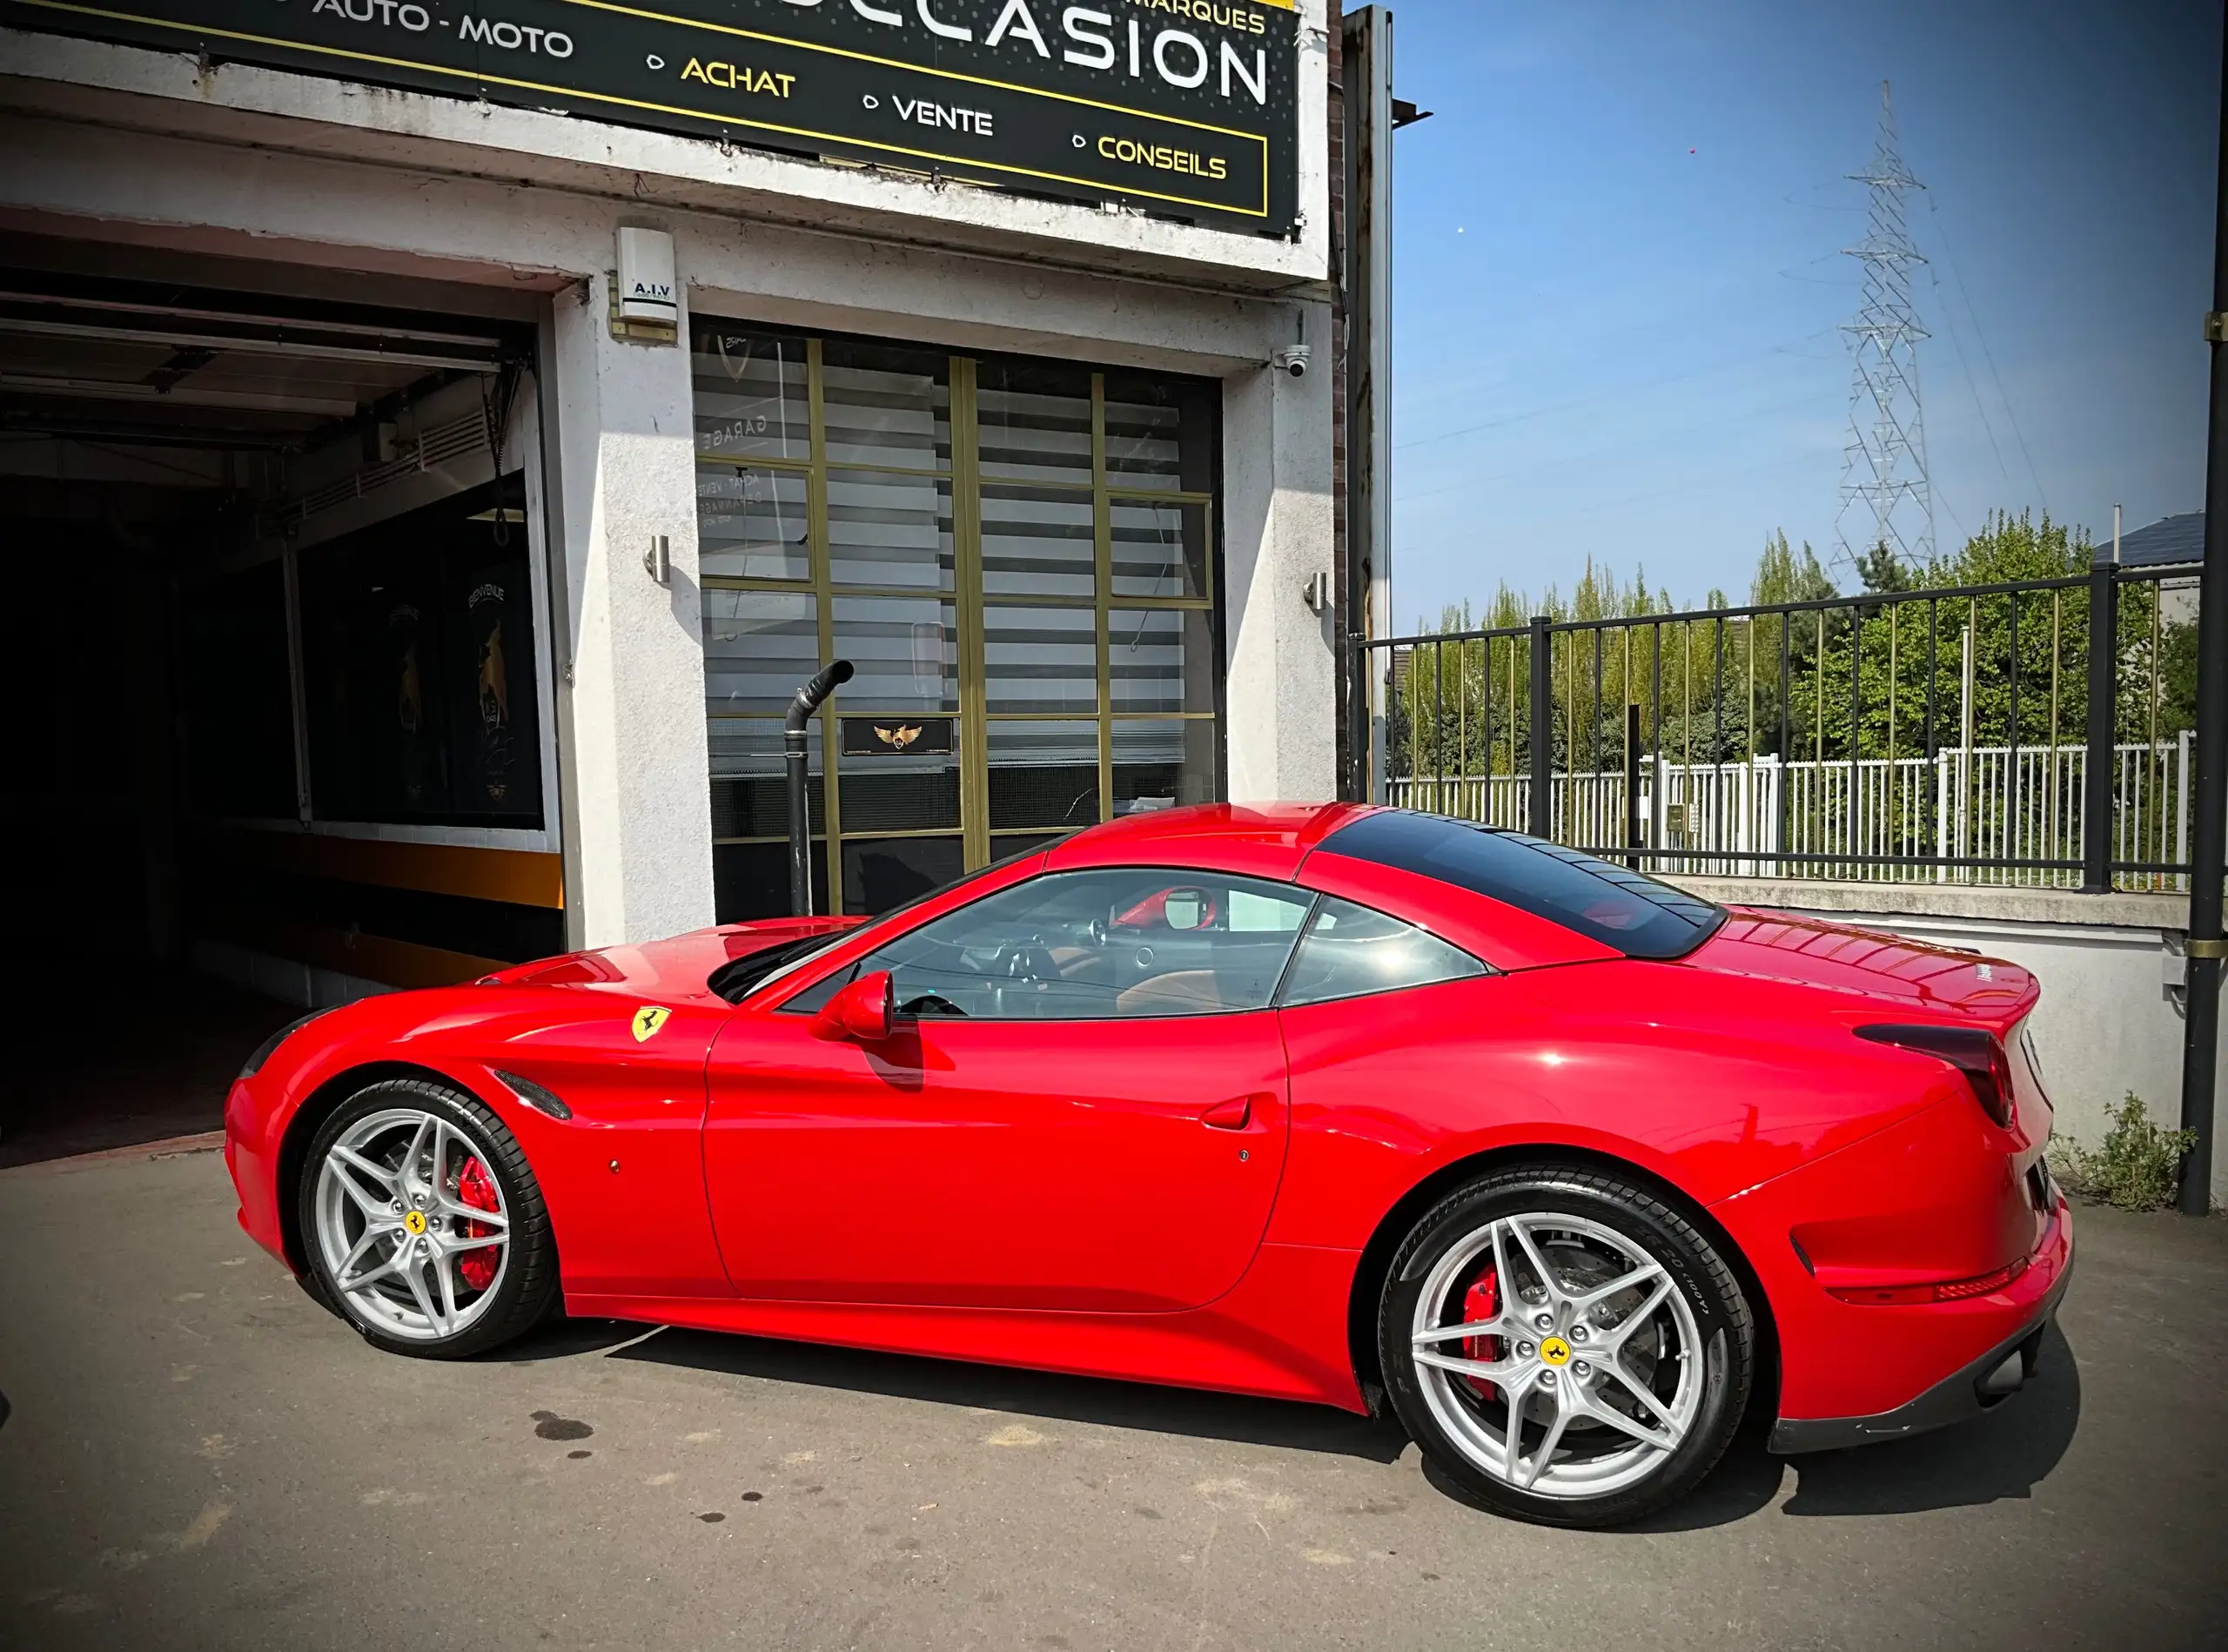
(1880, 569)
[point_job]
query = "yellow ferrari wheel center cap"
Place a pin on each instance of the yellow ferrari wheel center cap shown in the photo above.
(414, 1222)
(1555, 1350)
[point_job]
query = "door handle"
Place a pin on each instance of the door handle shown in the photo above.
(1228, 1115)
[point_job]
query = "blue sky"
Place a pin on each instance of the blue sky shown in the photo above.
(1617, 286)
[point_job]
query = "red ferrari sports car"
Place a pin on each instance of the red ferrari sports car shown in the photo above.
(1372, 1108)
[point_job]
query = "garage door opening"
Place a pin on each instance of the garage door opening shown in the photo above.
(279, 671)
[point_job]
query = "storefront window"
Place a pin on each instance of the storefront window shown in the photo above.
(1016, 556)
(886, 529)
(753, 522)
(418, 667)
(885, 407)
(758, 645)
(1161, 660)
(1159, 549)
(1034, 422)
(1038, 542)
(1160, 763)
(1040, 660)
(751, 395)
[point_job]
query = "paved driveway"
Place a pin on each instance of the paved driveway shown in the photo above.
(198, 1457)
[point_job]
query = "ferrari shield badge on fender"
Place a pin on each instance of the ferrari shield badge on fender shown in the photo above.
(648, 1019)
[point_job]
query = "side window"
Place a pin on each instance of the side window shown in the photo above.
(1350, 951)
(1132, 942)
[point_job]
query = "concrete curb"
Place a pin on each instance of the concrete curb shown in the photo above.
(207, 1141)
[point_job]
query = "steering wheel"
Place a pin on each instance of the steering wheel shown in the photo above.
(1025, 959)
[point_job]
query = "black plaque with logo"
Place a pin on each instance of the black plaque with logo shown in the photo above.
(898, 736)
(1186, 108)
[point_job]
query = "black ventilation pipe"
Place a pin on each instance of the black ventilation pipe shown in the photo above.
(793, 723)
(2206, 951)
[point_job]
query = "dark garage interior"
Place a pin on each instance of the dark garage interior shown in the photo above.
(274, 662)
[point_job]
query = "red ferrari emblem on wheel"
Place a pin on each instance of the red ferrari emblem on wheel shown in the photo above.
(1580, 1154)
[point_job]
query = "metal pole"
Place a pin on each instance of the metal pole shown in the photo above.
(2097, 764)
(1541, 824)
(824, 682)
(2209, 842)
(1632, 782)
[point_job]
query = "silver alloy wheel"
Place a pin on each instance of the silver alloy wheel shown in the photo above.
(394, 1227)
(1596, 1371)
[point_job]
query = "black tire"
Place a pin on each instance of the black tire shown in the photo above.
(526, 1291)
(1723, 1322)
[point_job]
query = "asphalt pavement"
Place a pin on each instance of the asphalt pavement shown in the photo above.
(194, 1454)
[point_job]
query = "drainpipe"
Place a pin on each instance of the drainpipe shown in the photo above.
(823, 684)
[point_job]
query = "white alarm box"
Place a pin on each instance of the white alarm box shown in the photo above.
(645, 288)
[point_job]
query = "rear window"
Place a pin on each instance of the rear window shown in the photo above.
(1640, 917)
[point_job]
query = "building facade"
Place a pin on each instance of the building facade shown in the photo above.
(477, 424)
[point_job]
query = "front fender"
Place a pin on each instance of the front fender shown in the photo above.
(621, 1173)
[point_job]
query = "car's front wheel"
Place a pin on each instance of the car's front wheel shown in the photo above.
(423, 1223)
(1567, 1347)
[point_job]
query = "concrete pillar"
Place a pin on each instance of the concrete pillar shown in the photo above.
(1277, 520)
(632, 740)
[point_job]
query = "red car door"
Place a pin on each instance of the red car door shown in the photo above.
(1083, 1106)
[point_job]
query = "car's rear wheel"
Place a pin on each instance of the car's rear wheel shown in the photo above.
(1567, 1347)
(423, 1224)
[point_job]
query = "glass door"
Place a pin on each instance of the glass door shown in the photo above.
(1014, 555)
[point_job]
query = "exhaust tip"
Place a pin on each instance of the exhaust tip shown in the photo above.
(2013, 1372)
(2006, 1378)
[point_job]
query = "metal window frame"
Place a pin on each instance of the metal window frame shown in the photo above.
(966, 478)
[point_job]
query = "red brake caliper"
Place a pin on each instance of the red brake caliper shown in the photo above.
(475, 1187)
(1482, 1301)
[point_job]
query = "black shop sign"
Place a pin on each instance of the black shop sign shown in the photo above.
(1185, 108)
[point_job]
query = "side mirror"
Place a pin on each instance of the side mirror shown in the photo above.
(863, 1011)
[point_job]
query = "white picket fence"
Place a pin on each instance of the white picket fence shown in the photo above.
(1995, 805)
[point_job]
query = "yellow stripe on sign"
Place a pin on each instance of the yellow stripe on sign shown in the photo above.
(727, 118)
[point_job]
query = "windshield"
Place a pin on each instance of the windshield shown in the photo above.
(1640, 917)
(737, 981)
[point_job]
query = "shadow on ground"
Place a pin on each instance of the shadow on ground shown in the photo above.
(565, 1338)
(1088, 1400)
(2002, 1453)
(2005, 1452)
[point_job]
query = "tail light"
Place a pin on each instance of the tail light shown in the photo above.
(1974, 1051)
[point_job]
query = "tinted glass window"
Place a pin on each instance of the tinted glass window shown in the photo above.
(1638, 916)
(1093, 946)
(418, 673)
(1350, 951)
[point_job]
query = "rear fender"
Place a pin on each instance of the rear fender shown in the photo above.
(1935, 1198)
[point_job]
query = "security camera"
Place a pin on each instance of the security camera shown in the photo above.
(1292, 359)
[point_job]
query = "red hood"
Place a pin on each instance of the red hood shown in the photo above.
(1865, 963)
(673, 969)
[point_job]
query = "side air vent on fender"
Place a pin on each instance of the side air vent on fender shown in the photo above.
(535, 1095)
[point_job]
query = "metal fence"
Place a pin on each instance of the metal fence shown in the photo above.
(1940, 736)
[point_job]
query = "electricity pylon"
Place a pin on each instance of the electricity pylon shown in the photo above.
(1884, 480)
